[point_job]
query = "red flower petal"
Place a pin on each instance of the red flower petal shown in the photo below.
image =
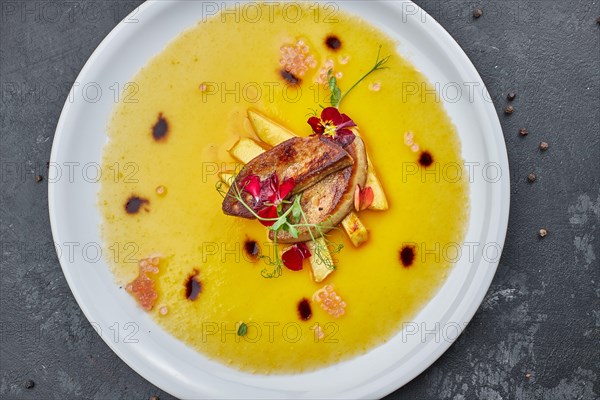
(331, 114)
(346, 123)
(344, 137)
(346, 118)
(286, 187)
(268, 189)
(274, 181)
(303, 249)
(251, 184)
(316, 125)
(268, 212)
(367, 197)
(292, 258)
(363, 198)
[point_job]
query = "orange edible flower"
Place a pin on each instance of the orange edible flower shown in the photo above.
(363, 198)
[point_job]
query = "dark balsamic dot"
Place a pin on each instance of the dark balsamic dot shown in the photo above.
(478, 12)
(407, 256)
(511, 96)
(425, 159)
(290, 78)
(134, 203)
(29, 384)
(304, 309)
(509, 110)
(251, 248)
(160, 128)
(193, 287)
(333, 42)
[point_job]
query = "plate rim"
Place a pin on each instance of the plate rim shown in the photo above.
(454, 48)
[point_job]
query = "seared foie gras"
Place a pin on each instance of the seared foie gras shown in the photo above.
(331, 199)
(306, 160)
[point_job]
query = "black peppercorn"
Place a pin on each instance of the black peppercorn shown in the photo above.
(523, 132)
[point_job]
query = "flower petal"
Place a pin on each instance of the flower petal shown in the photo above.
(363, 198)
(331, 114)
(269, 189)
(357, 198)
(251, 184)
(303, 249)
(367, 196)
(316, 125)
(292, 258)
(286, 187)
(268, 212)
(267, 193)
(346, 121)
(344, 137)
(274, 181)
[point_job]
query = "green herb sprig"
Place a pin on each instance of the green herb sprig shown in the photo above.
(243, 329)
(336, 94)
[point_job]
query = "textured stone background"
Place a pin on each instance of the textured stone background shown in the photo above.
(537, 333)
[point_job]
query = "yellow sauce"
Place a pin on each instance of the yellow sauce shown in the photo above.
(186, 225)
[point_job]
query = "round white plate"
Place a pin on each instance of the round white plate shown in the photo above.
(168, 363)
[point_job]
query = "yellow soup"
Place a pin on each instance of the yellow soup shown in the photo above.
(170, 135)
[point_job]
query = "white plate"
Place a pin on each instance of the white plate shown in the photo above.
(168, 363)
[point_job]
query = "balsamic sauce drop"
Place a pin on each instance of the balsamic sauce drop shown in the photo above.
(304, 310)
(160, 128)
(407, 255)
(333, 42)
(193, 287)
(251, 248)
(425, 159)
(290, 78)
(134, 203)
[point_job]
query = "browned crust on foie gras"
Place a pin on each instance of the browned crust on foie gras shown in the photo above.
(306, 160)
(332, 199)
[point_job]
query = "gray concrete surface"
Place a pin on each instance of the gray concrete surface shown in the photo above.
(536, 335)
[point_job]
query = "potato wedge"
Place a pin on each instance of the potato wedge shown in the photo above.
(268, 130)
(379, 199)
(320, 270)
(356, 231)
(245, 150)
